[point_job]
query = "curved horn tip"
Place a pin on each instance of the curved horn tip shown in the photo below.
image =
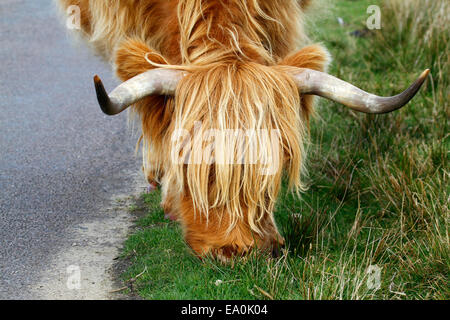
(102, 96)
(98, 84)
(97, 79)
(405, 97)
(425, 74)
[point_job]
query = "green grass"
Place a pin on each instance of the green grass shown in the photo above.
(378, 190)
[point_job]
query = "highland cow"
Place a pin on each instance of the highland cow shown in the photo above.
(192, 66)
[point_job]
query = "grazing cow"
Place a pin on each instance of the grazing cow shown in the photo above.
(224, 102)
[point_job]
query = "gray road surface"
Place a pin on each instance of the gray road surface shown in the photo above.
(60, 158)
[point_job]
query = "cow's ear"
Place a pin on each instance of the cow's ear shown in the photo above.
(131, 59)
(304, 4)
(314, 57)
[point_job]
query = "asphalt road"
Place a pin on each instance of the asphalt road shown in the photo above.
(60, 157)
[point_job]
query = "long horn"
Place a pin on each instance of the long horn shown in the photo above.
(324, 85)
(152, 82)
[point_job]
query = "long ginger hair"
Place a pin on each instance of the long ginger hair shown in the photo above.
(231, 46)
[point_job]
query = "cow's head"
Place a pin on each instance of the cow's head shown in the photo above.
(235, 199)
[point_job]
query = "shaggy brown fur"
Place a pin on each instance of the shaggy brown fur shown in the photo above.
(236, 54)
